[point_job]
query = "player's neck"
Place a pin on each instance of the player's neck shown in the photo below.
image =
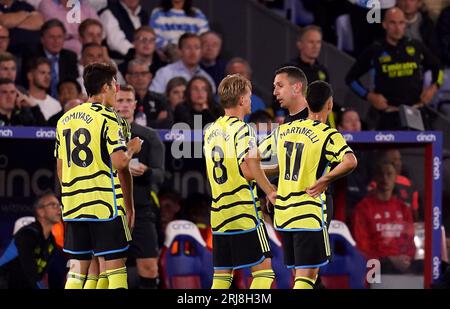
(322, 117)
(235, 112)
(98, 99)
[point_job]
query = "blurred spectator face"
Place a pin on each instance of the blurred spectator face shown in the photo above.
(41, 76)
(394, 23)
(176, 95)
(8, 95)
(385, 178)
(211, 46)
(199, 95)
(92, 34)
(350, 122)
(310, 44)
(91, 55)
(394, 156)
(169, 208)
(191, 51)
(4, 39)
(8, 70)
(53, 40)
(125, 104)
(139, 76)
(145, 44)
(67, 91)
(283, 90)
(409, 7)
(240, 68)
(49, 209)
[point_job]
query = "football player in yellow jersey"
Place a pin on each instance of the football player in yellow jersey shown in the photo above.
(91, 158)
(233, 163)
(306, 149)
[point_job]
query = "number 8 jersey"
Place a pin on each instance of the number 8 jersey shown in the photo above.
(86, 136)
(235, 207)
(306, 150)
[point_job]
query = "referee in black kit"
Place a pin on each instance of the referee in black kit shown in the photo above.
(147, 169)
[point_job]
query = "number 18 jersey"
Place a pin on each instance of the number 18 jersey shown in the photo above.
(235, 206)
(86, 136)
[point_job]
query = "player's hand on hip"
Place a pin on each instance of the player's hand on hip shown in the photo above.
(319, 187)
(135, 144)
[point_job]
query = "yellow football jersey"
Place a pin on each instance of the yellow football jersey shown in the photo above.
(86, 136)
(305, 150)
(235, 207)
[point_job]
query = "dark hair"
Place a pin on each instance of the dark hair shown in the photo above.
(210, 98)
(87, 23)
(379, 165)
(342, 112)
(36, 62)
(37, 203)
(89, 45)
(5, 56)
(95, 75)
(295, 74)
(175, 82)
(51, 23)
(186, 36)
(127, 88)
(318, 94)
(6, 81)
(187, 7)
(307, 29)
(260, 116)
(71, 81)
(212, 32)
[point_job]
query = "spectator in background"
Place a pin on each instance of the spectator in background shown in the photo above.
(122, 18)
(39, 79)
(171, 20)
(199, 101)
(152, 107)
(63, 11)
(188, 66)
(144, 42)
(383, 227)
(419, 25)
(91, 31)
(26, 260)
(17, 109)
(23, 23)
(443, 33)
(4, 39)
(211, 61)
(91, 53)
(69, 92)
(175, 90)
(399, 64)
(196, 208)
(63, 62)
(170, 207)
(241, 66)
(8, 66)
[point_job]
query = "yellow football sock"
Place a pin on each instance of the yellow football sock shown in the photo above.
(222, 281)
(304, 283)
(262, 279)
(102, 283)
(117, 278)
(74, 281)
(91, 282)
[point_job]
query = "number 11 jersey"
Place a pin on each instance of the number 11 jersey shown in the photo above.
(235, 207)
(86, 136)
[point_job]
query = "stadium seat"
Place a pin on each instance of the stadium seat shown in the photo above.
(21, 222)
(185, 261)
(347, 270)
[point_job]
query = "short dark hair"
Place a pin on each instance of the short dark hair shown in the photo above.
(95, 75)
(186, 36)
(87, 23)
(6, 81)
(5, 56)
(175, 82)
(319, 92)
(294, 74)
(51, 23)
(36, 62)
(127, 88)
(69, 81)
(38, 202)
(307, 29)
(89, 45)
(340, 115)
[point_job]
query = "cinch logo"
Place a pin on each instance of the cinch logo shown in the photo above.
(426, 137)
(436, 267)
(436, 218)
(50, 133)
(348, 137)
(6, 133)
(174, 136)
(380, 137)
(436, 168)
(182, 226)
